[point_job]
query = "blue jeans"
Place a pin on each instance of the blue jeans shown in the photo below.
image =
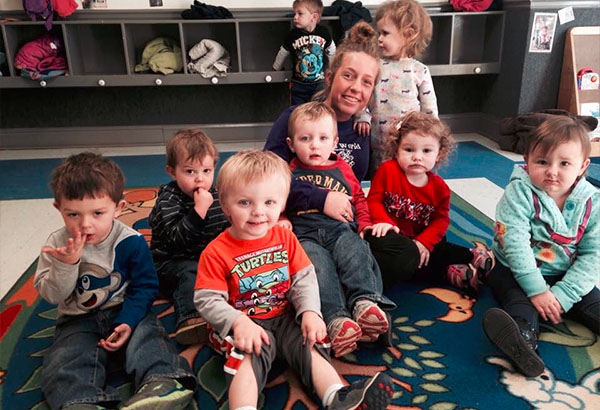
(176, 279)
(301, 93)
(75, 368)
(346, 270)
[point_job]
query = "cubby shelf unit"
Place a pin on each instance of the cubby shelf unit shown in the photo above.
(104, 52)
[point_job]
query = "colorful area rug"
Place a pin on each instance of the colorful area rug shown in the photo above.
(440, 359)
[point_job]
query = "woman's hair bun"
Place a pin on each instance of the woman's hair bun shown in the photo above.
(361, 32)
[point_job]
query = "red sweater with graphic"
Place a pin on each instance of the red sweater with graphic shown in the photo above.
(421, 213)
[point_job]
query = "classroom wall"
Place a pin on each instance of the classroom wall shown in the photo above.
(527, 81)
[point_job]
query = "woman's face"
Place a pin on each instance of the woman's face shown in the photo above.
(352, 85)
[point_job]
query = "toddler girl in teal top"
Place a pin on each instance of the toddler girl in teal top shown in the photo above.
(546, 243)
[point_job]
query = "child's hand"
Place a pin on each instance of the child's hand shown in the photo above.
(71, 252)
(424, 252)
(547, 306)
(382, 228)
(284, 223)
(338, 206)
(313, 328)
(248, 336)
(365, 229)
(363, 129)
(117, 339)
(202, 201)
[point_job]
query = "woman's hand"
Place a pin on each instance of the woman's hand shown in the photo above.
(338, 206)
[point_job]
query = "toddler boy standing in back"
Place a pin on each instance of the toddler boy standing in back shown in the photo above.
(186, 217)
(308, 41)
(99, 272)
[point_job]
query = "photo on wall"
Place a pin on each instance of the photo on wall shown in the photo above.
(94, 4)
(542, 32)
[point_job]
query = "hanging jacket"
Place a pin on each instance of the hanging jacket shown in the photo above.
(349, 13)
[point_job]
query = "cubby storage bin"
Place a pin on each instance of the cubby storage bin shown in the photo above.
(477, 38)
(17, 35)
(260, 41)
(222, 31)
(438, 51)
(95, 49)
(137, 35)
(105, 51)
(3, 64)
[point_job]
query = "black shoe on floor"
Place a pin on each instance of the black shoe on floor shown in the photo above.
(504, 332)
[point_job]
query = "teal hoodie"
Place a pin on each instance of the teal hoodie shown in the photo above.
(549, 242)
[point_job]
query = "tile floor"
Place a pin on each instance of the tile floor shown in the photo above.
(27, 216)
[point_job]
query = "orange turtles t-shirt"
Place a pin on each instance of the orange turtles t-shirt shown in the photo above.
(255, 273)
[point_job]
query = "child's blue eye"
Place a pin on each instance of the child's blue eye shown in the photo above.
(244, 202)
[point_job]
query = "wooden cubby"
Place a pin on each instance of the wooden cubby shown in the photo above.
(104, 52)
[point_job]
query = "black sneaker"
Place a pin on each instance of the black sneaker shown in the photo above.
(504, 332)
(374, 393)
(161, 394)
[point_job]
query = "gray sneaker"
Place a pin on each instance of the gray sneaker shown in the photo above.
(162, 394)
(374, 393)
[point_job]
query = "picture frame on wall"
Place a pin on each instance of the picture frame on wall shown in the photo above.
(542, 32)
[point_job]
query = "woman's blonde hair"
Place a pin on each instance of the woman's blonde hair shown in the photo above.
(423, 124)
(412, 21)
(362, 38)
(249, 166)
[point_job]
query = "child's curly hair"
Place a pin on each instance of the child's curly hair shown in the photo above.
(423, 124)
(412, 21)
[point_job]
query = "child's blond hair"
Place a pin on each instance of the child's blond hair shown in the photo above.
(558, 130)
(250, 166)
(87, 175)
(190, 144)
(423, 124)
(312, 111)
(412, 21)
(314, 6)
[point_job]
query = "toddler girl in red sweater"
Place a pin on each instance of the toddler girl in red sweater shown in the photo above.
(410, 205)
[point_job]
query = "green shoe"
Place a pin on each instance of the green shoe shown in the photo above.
(162, 394)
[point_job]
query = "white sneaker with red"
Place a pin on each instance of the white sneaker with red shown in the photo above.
(371, 319)
(343, 333)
